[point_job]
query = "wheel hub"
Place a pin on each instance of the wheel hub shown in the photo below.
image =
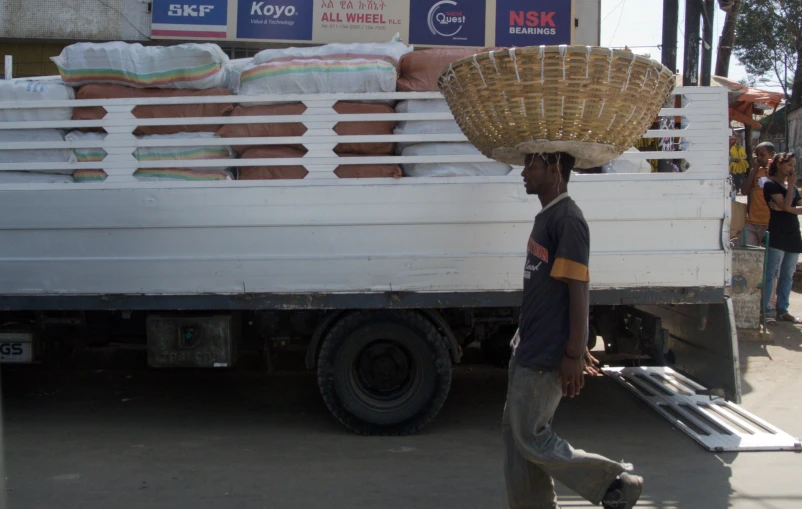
(383, 368)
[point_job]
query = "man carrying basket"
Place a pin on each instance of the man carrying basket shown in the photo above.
(549, 355)
(550, 109)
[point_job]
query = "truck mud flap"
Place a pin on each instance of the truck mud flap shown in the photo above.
(703, 343)
(715, 423)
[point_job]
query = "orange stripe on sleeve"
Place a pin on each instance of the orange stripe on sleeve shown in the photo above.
(566, 269)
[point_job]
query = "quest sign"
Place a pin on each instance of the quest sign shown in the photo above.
(475, 23)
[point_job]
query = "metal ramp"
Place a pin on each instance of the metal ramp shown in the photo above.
(714, 423)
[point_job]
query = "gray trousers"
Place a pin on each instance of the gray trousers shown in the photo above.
(534, 456)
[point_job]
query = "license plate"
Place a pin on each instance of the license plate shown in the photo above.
(16, 352)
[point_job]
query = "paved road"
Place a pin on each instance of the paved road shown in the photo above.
(121, 439)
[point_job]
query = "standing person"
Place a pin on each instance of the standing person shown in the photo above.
(785, 239)
(549, 355)
(757, 212)
(738, 163)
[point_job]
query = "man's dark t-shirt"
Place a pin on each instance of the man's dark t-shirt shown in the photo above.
(558, 250)
(783, 226)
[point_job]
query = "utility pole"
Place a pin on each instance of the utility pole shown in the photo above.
(727, 40)
(670, 26)
(708, 15)
(669, 59)
(690, 67)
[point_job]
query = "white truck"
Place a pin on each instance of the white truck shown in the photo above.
(384, 282)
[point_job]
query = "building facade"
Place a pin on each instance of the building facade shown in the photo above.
(32, 31)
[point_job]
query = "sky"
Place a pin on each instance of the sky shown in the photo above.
(636, 23)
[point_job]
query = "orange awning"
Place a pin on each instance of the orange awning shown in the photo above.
(744, 118)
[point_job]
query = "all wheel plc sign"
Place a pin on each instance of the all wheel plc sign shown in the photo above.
(475, 23)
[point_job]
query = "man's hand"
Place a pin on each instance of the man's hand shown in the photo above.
(571, 376)
(591, 364)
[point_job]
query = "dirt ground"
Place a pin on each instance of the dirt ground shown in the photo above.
(121, 439)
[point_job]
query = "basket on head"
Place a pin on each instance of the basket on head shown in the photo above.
(593, 103)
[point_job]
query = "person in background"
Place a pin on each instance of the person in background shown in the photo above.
(785, 239)
(739, 165)
(757, 212)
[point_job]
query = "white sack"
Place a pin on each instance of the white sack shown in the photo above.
(319, 77)
(30, 91)
(184, 66)
(392, 51)
(450, 169)
(55, 155)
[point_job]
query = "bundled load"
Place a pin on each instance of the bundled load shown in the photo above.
(592, 103)
(489, 169)
(29, 177)
(180, 152)
(34, 91)
(424, 127)
(295, 172)
(329, 69)
(35, 155)
(314, 76)
(29, 91)
(391, 52)
(420, 70)
(103, 91)
(184, 66)
(297, 129)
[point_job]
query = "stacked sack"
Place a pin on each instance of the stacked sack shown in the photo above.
(180, 152)
(419, 73)
(118, 70)
(329, 69)
(30, 91)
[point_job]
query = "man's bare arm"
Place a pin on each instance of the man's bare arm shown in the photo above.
(573, 364)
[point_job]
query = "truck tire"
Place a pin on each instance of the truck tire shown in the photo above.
(384, 372)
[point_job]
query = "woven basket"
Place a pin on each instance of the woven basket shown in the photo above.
(593, 103)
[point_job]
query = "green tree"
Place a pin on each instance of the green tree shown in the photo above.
(769, 43)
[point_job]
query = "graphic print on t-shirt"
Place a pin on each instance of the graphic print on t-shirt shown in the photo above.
(557, 251)
(538, 251)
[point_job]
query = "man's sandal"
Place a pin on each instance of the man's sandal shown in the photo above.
(789, 318)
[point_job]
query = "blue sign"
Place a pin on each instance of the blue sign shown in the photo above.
(532, 22)
(447, 22)
(190, 12)
(275, 19)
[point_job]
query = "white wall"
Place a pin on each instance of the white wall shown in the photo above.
(588, 32)
(75, 19)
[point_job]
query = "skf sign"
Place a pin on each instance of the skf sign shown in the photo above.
(190, 19)
(189, 10)
(533, 22)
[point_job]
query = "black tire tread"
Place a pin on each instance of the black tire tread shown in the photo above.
(325, 372)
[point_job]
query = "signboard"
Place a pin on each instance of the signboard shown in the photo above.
(447, 22)
(360, 20)
(473, 23)
(190, 19)
(532, 22)
(289, 20)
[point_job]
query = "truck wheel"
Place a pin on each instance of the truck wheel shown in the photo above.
(384, 372)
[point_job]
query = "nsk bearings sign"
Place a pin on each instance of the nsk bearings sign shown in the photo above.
(533, 22)
(473, 23)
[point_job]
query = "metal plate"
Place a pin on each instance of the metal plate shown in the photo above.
(16, 351)
(715, 423)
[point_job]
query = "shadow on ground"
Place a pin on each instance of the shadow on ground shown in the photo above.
(177, 439)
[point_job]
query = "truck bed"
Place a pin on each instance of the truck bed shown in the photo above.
(77, 245)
